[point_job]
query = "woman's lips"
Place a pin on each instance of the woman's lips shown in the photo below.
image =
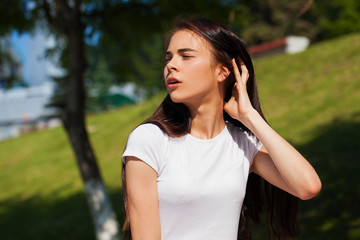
(172, 82)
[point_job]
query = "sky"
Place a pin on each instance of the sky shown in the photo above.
(30, 48)
(31, 51)
(28, 51)
(36, 69)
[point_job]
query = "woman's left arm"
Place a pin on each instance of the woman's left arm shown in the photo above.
(277, 162)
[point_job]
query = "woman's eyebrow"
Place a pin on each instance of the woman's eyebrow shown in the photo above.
(181, 50)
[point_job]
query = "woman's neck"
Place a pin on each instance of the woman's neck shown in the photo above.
(207, 120)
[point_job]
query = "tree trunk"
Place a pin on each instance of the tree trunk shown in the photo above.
(104, 219)
(106, 226)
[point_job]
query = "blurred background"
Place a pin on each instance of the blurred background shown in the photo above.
(77, 76)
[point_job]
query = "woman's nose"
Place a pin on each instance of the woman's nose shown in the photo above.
(172, 66)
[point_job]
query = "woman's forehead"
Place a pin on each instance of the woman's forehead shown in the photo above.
(186, 39)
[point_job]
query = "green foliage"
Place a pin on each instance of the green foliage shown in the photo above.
(131, 32)
(98, 80)
(310, 98)
(132, 36)
(15, 14)
(148, 63)
(264, 20)
(338, 17)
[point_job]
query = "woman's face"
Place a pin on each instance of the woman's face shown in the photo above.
(189, 72)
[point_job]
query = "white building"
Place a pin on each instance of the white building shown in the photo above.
(23, 109)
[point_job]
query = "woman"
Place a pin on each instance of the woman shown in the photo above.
(186, 169)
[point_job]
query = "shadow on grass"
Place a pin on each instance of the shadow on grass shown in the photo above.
(335, 212)
(38, 218)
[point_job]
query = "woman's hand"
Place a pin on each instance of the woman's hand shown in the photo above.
(277, 162)
(239, 104)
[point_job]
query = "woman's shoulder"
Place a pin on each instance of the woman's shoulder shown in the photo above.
(148, 127)
(234, 129)
(246, 141)
(148, 130)
(240, 135)
(148, 143)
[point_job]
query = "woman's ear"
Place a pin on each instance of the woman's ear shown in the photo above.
(222, 73)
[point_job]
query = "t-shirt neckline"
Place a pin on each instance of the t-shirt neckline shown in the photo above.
(210, 140)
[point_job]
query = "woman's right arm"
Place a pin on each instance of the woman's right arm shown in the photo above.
(143, 203)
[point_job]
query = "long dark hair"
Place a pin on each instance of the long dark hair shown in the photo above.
(174, 119)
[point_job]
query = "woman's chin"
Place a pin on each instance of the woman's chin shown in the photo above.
(176, 99)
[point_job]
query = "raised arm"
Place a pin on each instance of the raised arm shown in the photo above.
(277, 162)
(281, 164)
(143, 204)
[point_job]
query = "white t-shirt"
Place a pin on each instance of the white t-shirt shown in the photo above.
(201, 183)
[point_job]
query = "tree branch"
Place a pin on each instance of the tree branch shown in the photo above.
(305, 8)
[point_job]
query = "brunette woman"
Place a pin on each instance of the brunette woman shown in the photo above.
(186, 168)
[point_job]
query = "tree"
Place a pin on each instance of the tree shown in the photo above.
(338, 17)
(65, 17)
(264, 20)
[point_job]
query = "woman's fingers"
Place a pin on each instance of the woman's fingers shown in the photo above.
(244, 73)
(244, 76)
(236, 70)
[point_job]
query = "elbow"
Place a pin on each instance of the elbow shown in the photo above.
(311, 190)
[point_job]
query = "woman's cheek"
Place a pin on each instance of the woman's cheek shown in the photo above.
(197, 67)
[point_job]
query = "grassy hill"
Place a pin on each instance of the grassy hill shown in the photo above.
(311, 98)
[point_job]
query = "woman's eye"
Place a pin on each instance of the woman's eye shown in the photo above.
(167, 59)
(186, 56)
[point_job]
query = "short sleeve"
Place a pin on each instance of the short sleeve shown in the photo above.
(253, 145)
(147, 143)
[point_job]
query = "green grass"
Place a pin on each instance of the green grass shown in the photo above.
(311, 98)
(311, 88)
(41, 192)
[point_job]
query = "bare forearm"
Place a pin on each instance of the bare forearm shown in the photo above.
(295, 170)
(142, 228)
